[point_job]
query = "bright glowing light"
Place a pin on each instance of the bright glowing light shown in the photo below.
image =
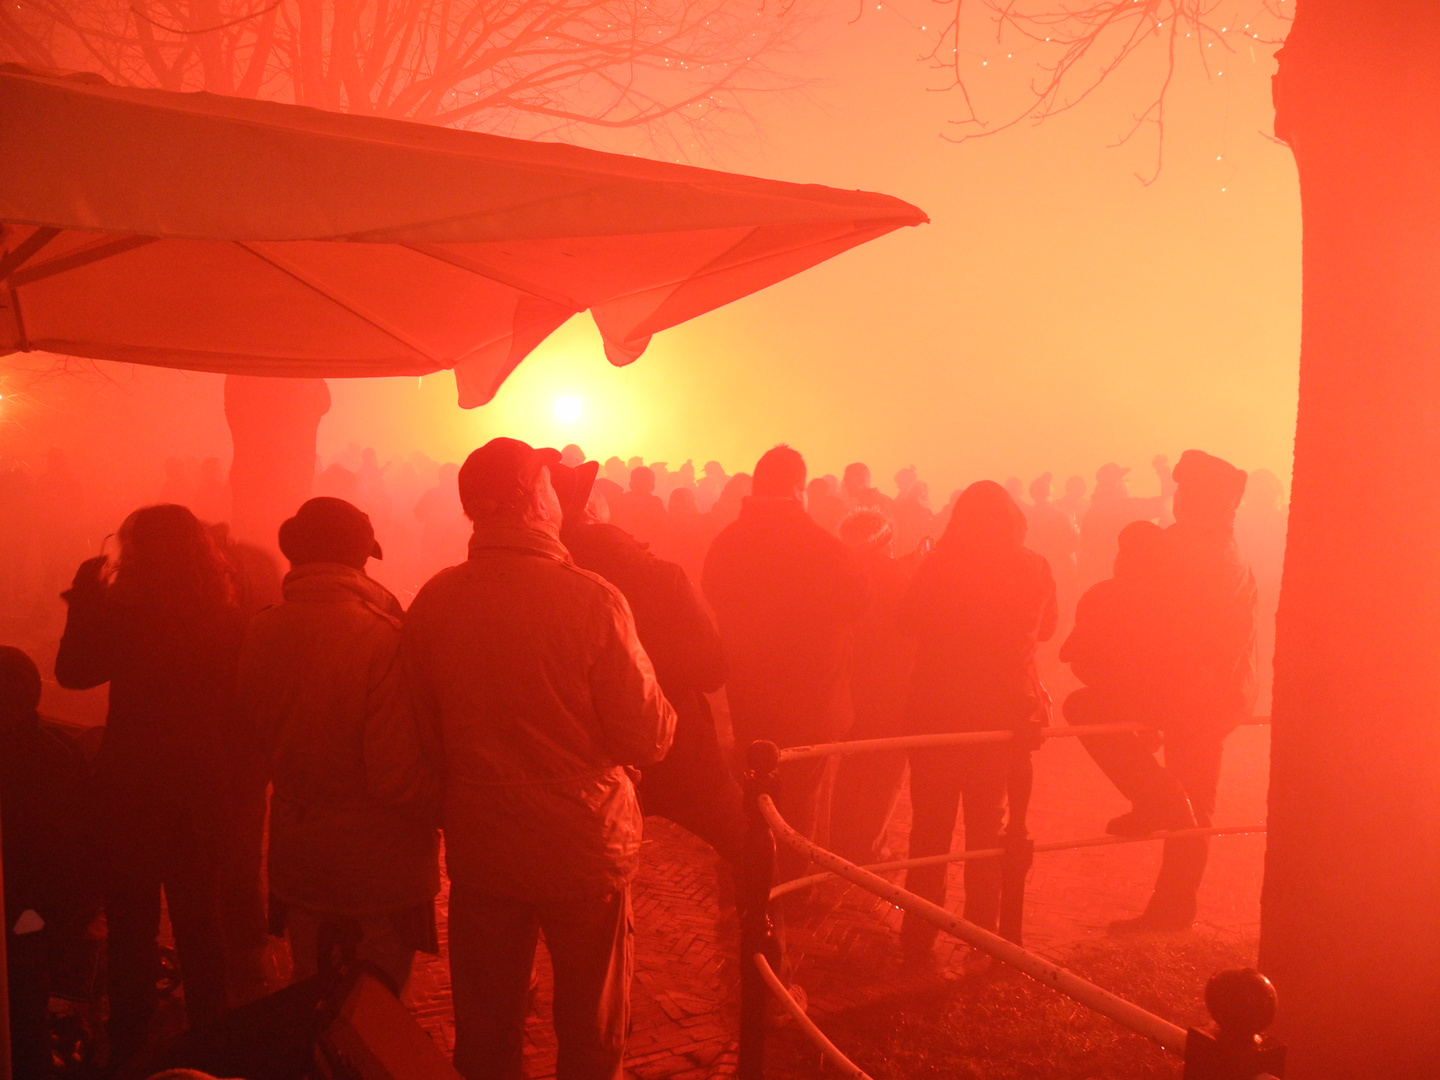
(568, 409)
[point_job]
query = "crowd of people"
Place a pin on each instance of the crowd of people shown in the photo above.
(553, 683)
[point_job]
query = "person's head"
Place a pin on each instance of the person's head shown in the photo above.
(1264, 491)
(867, 531)
(818, 489)
(1110, 478)
(857, 478)
(779, 474)
(682, 502)
(368, 459)
(714, 470)
(1207, 490)
(168, 558)
(635, 462)
(615, 471)
(571, 455)
(642, 479)
(1040, 489)
(338, 482)
(905, 479)
(507, 481)
(1140, 552)
(19, 687)
(985, 520)
(326, 530)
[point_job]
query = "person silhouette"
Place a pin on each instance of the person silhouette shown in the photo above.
(353, 842)
(858, 492)
(1170, 641)
(692, 786)
(531, 673)
(824, 506)
(978, 606)
(867, 786)
(1112, 507)
(639, 511)
(787, 596)
(164, 631)
(43, 802)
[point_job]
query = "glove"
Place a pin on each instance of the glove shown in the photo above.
(89, 581)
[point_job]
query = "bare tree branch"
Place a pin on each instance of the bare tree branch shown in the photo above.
(673, 70)
(1075, 46)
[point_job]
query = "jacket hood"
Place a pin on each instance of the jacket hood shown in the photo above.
(322, 583)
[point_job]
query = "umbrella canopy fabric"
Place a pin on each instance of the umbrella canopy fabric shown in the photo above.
(250, 237)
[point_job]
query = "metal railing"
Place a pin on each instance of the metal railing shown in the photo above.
(1243, 1001)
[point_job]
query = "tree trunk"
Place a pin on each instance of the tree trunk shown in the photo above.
(272, 426)
(1351, 905)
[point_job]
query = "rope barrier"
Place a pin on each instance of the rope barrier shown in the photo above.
(969, 738)
(1170, 1036)
(795, 884)
(816, 1036)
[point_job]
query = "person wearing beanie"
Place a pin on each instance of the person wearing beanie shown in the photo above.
(530, 672)
(1170, 642)
(353, 851)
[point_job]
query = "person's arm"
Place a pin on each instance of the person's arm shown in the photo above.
(702, 657)
(397, 770)
(638, 722)
(421, 690)
(85, 658)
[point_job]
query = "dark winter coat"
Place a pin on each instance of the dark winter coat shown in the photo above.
(787, 596)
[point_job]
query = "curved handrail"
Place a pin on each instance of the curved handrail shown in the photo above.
(1127, 1014)
(795, 884)
(970, 738)
(812, 1031)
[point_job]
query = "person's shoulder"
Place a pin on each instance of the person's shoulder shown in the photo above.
(1034, 561)
(439, 586)
(591, 588)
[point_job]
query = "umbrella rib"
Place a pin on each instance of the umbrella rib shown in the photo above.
(442, 254)
(374, 320)
(13, 260)
(73, 260)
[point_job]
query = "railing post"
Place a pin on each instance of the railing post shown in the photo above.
(1242, 1003)
(757, 934)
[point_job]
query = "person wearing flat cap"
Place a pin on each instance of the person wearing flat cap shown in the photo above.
(353, 858)
(1170, 642)
(530, 671)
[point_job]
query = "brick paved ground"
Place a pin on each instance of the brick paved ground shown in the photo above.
(844, 943)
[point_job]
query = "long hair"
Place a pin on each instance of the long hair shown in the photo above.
(985, 521)
(168, 559)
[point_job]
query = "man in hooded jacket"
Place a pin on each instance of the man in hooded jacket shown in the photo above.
(353, 857)
(530, 671)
